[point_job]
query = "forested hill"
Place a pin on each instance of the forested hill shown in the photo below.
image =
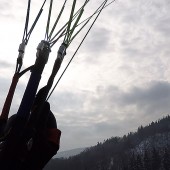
(146, 149)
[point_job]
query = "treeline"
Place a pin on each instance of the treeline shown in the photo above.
(153, 159)
(135, 151)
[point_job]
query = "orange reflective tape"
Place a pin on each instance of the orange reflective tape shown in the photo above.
(53, 135)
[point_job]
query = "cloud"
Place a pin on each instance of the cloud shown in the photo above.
(163, 26)
(98, 41)
(5, 64)
(109, 111)
(68, 100)
(4, 5)
(152, 100)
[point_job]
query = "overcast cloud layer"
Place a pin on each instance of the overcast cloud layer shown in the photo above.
(119, 79)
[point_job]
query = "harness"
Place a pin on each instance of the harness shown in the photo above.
(19, 136)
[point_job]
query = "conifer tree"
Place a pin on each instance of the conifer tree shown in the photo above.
(147, 162)
(166, 160)
(139, 163)
(156, 160)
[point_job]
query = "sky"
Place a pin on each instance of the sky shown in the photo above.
(118, 80)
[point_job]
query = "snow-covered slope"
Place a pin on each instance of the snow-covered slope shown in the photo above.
(157, 141)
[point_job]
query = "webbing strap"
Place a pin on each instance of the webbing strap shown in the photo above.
(8, 101)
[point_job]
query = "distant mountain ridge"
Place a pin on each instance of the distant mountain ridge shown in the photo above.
(146, 149)
(69, 153)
